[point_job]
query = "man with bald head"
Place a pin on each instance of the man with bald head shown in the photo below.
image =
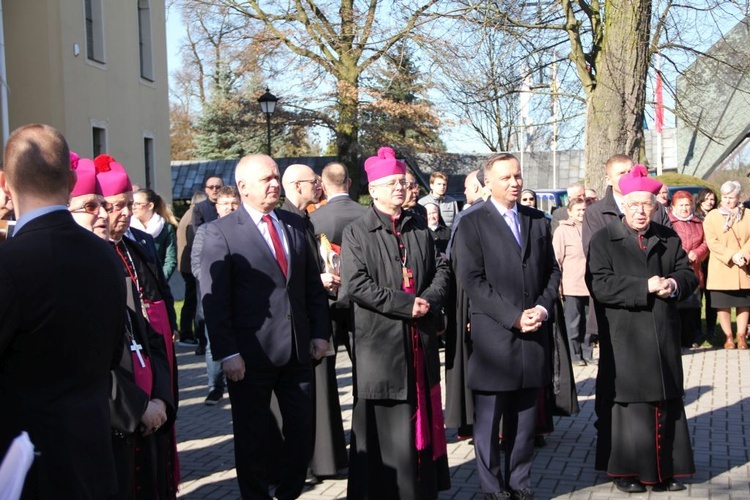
(331, 219)
(60, 325)
(267, 318)
(575, 191)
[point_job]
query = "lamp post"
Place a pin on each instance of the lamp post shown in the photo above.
(268, 105)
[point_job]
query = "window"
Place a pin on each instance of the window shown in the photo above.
(99, 140)
(144, 39)
(148, 160)
(94, 30)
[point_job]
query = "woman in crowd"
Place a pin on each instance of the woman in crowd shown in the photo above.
(568, 244)
(528, 198)
(152, 215)
(440, 232)
(705, 201)
(727, 233)
(690, 229)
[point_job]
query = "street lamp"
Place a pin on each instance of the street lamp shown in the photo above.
(268, 106)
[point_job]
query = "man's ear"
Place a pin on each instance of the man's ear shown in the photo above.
(4, 183)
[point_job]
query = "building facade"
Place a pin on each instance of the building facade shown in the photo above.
(97, 71)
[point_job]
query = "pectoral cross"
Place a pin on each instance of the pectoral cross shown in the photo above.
(407, 274)
(136, 348)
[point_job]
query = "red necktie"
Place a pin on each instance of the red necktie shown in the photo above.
(278, 248)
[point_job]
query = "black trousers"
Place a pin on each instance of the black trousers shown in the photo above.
(256, 434)
(518, 410)
(187, 317)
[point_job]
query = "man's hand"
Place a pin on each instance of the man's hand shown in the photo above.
(234, 368)
(154, 416)
(421, 307)
(531, 320)
(655, 284)
(667, 289)
(692, 257)
(318, 348)
(331, 282)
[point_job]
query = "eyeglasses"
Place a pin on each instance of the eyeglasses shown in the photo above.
(92, 207)
(214, 186)
(228, 203)
(392, 184)
(140, 203)
(635, 206)
(528, 199)
(317, 180)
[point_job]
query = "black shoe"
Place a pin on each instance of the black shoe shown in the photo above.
(200, 351)
(591, 361)
(524, 494)
(214, 397)
(580, 362)
(629, 485)
(498, 495)
(670, 484)
(188, 341)
(539, 442)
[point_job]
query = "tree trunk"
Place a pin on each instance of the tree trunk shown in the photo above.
(615, 106)
(347, 131)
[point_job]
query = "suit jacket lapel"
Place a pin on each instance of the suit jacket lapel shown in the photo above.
(499, 221)
(524, 224)
(256, 240)
(291, 242)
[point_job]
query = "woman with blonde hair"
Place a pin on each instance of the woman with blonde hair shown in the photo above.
(727, 232)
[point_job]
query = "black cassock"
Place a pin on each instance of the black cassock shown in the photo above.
(642, 428)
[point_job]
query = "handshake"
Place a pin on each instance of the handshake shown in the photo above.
(662, 287)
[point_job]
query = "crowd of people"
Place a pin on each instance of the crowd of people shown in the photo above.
(516, 297)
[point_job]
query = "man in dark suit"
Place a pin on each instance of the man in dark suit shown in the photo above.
(340, 210)
(267, 316)
(60, 325)
(331, 219)
(205, 211)
(505, 262)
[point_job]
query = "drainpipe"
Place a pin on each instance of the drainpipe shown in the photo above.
(3, 81)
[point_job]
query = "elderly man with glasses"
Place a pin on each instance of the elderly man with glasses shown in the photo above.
(390, 272)
(636, 272)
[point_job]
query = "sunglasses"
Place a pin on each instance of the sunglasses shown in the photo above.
(214, 186)
(92, 207)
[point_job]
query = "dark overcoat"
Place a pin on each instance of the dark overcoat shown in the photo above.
(639, 333)
(371, 276)
(502, 280)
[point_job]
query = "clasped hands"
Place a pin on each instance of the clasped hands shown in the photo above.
(420, 308)
(662, 287)
(530, 320)
(154, 416)
(739, 259)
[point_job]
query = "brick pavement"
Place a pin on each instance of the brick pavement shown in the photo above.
(717, 404)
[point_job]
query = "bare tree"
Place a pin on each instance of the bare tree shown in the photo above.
(336, 42)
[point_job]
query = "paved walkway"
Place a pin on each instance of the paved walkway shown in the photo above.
(717, 404)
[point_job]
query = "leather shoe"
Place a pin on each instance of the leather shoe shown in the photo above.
(591, 361)
(580, 362)
(670, 484)
(524, 494)
(629, 485)
(498, 495)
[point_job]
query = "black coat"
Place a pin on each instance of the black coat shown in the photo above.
(371, 275)
(333, 217)
(639, 333)
(204, 212)
(62, 303)
(502, 280)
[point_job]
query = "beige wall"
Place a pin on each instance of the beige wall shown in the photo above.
(48, 83)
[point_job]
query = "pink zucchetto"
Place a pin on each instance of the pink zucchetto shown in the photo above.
(638, 180)
(85, 175)
(383, 165)
(111, 177)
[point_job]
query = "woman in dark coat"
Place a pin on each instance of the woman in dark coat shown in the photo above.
(440, 232)
(390, 273)
(637, 271)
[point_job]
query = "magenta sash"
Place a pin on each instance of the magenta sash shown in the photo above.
(144, 377)
(159, 319)
(427, 431)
